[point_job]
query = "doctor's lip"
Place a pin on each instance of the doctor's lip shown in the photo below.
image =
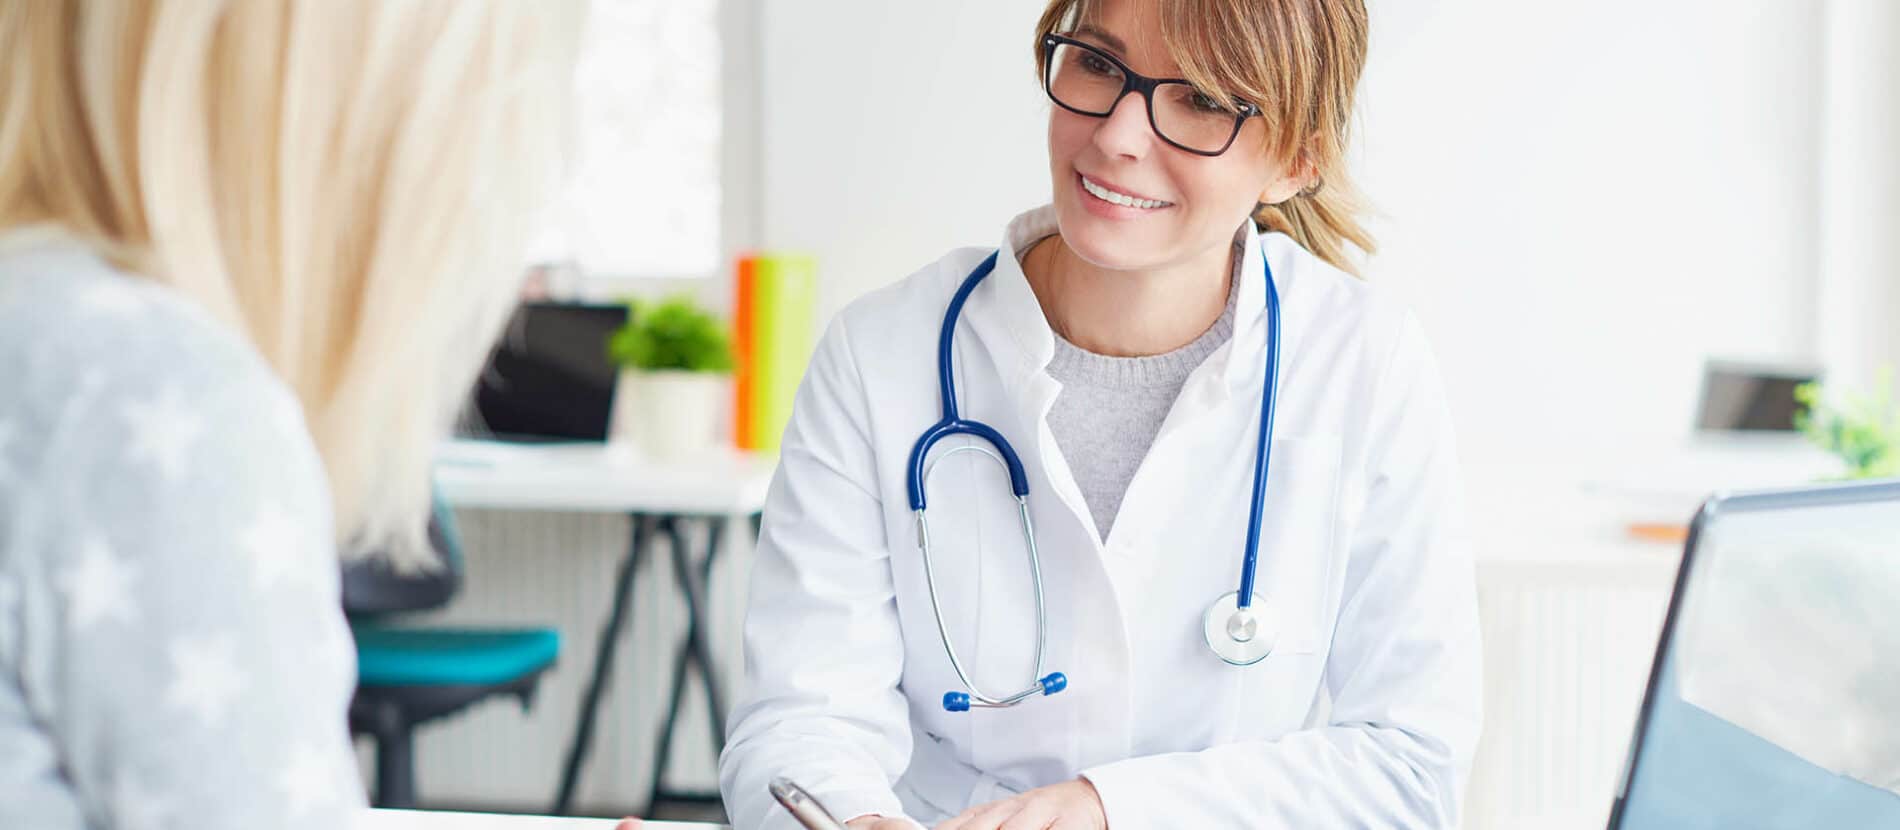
(1098, 181)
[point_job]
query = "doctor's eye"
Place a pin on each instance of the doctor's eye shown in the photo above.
(1203, 102)
(1094, 64)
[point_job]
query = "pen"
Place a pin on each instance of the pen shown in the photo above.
(803, 807)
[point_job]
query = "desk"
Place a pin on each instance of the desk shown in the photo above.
(429, 820)
(659, 498)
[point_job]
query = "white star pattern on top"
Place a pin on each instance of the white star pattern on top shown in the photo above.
(163, 430)
(278, 549)
(98, 588)
(9, 605)
(288, 415)
(139, 807)
(110, 298)
(156, 453)
(309, 782)
(7, 433)
(205, 677)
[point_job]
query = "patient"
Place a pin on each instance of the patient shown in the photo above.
(251, 254)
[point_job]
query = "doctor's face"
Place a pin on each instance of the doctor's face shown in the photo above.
(1185, 206)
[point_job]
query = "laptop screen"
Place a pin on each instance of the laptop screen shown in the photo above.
(1776, 697)
(549, 378)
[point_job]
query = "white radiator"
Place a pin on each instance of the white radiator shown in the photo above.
(557, 569)
(1568, 649)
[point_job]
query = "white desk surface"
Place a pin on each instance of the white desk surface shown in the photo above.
(432, 820)
(1569, 508)
(595, 478)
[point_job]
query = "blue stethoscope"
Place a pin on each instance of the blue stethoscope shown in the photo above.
(1239, 627)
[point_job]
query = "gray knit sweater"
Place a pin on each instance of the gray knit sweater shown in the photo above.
(1110, 408)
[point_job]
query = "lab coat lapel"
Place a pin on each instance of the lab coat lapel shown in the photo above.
(1088, 627)
(1008, 321)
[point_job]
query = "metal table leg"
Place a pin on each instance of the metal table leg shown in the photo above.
(694, 650)
(610, 636)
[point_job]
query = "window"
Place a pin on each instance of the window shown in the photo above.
(644, 196)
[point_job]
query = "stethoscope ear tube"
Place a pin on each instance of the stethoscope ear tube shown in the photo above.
(1046, 684)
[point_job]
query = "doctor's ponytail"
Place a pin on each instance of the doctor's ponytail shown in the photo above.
(1323, 222)
(1300, 61)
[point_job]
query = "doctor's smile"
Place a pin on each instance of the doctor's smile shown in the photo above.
(1117, 196)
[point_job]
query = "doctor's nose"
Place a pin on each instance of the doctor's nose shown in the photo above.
(1125, 131)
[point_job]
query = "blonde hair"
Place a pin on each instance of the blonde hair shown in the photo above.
(344, 182)
(1300, 61)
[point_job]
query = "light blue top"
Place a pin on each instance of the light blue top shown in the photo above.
(172, 651)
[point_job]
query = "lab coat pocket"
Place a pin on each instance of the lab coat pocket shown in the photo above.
(1298, 551)
(1298, 538)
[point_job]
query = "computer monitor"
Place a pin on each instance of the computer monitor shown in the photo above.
(549, 378)
(1750, 398)
(1774, 701)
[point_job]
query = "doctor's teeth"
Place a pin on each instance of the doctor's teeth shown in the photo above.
(1124, 200)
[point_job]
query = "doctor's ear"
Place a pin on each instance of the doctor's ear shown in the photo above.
(1301, 178)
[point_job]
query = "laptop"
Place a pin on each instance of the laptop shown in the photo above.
(549, 378)
(1751, 399)
(1774, 700)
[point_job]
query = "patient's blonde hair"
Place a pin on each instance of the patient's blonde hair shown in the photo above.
(345, 182)
(1300, 61)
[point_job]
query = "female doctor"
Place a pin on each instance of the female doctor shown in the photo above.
(1096, 482)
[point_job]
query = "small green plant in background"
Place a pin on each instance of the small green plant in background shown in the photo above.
(1863, 431)
(674, 333)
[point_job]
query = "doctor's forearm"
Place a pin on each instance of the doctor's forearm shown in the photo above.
(1335, 776)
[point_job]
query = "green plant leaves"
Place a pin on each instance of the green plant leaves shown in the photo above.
(1863, 431)
(674, 333)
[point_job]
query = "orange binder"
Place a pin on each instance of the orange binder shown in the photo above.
(744, 353)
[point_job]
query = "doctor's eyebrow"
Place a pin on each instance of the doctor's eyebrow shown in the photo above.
(1111, 41)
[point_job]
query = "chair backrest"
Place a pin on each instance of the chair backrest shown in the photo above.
(371, 587)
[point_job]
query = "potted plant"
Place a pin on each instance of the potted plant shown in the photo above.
(1864, 432)
(675, 360)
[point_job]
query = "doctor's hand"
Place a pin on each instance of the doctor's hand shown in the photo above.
(880, 823)
(1070, 805)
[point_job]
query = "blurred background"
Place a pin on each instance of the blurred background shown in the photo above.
(1631, 230)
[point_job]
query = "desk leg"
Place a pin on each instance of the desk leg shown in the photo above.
(603, 663)
(695, 650)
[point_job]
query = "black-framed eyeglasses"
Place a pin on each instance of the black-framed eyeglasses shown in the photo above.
(1085, 80)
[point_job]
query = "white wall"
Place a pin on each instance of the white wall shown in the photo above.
(894, 131)
(1587, 199)
(1584, 200)
(1860, 187)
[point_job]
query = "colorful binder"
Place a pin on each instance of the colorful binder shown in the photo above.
(743, 363)
(774, 312)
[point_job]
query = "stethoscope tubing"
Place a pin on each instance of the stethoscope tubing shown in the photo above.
(953, 424)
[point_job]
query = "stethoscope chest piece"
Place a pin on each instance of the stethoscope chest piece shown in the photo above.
(1241, 636)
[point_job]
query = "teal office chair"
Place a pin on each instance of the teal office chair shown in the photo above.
(410, 676)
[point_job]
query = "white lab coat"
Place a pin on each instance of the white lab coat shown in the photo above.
(1365, 715)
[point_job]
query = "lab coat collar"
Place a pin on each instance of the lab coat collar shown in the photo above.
(1013, 316)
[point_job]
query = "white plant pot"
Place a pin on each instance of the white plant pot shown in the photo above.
(668, 414)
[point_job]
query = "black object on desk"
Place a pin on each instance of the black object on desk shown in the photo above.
(1750, 397)
(549, 378)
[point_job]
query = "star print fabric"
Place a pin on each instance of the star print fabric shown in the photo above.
(172, 652)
